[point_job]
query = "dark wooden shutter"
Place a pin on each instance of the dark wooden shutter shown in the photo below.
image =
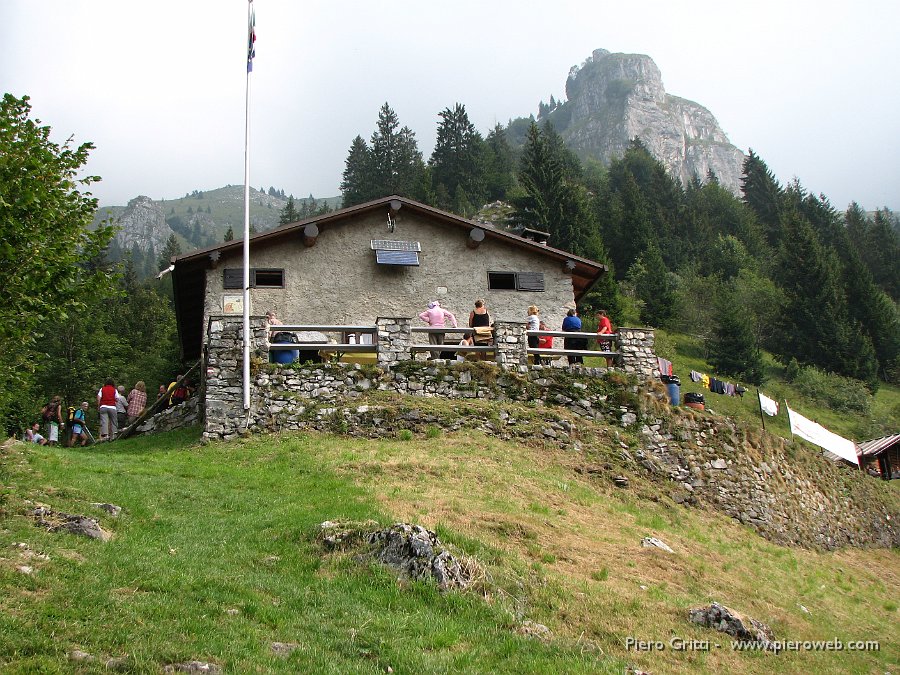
(234, 278)
(530, 281)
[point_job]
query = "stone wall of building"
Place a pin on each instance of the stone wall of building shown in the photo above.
(636, 352)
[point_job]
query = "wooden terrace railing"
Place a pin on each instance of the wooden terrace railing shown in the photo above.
(590, 337)
(451, 347)
(343, 347)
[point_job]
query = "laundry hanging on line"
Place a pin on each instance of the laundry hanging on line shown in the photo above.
(717, 386)
(768, 405)
(665, 366)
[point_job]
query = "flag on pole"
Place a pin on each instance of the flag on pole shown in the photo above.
(819, 435)
(767, 405)
(251, 38)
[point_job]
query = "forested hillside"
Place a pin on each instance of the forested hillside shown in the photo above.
(776, 268)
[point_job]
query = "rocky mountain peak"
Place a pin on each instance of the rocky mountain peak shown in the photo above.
(613, 98)
(142, 223)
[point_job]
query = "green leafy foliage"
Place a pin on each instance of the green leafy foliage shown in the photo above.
(45, 242)
(839, 393)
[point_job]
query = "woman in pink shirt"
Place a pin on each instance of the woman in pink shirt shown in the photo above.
(435, 316)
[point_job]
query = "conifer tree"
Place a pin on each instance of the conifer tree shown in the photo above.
(763, 194)
(289, 214)
(356, 183)
(884, 245)
(732, 348)
(458, 160)
(500, 169)
(397, 165)
(816, 327)
(170, 250)
(654, 286)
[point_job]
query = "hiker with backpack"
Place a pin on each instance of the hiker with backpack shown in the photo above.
(52, 415)
(178, 391)
(78, 424)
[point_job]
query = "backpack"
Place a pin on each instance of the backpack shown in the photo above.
(284, 336)
(70, 414)
(179, 394)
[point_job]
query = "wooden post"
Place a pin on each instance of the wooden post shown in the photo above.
(759, 403)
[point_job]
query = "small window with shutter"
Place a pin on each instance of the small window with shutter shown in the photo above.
(516, 281)
(259, 278)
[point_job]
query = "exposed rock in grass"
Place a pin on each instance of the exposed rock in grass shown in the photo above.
(284, 648)
(653, 542)
(57, 521)
(413, 550)
(340, 534)
(111, 509)
(193, 667)
(419, 554)
(117, 663)
(79, 656)
(535, 630)
(728, 621)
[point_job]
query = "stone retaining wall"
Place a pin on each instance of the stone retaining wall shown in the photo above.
(181, 416)
(222, 376)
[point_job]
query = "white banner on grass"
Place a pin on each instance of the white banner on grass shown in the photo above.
(819, 435)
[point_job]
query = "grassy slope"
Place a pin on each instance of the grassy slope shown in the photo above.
(227, 526)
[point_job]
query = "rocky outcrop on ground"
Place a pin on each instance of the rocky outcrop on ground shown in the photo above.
(613, 98)
(58, 521)
(725, 620)
(415, 552)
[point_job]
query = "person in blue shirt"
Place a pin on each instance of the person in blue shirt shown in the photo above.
(572, 324)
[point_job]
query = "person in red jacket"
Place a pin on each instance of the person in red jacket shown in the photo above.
(106, 402)
(604, 327)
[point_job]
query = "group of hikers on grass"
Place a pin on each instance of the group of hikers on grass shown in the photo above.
(115, 410)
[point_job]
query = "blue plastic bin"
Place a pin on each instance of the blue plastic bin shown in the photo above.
(284, 356)
(673, 389)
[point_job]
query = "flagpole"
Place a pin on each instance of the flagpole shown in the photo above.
(790, 422)
(246, 335)
(759, 403)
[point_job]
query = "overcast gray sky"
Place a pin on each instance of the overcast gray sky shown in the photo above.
(159, 87)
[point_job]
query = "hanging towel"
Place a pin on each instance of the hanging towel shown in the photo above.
(729, 389)
(768, 406)
(695, 376)
(704, 379)
(665, 366)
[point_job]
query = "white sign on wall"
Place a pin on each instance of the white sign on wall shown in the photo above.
(232, 304)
